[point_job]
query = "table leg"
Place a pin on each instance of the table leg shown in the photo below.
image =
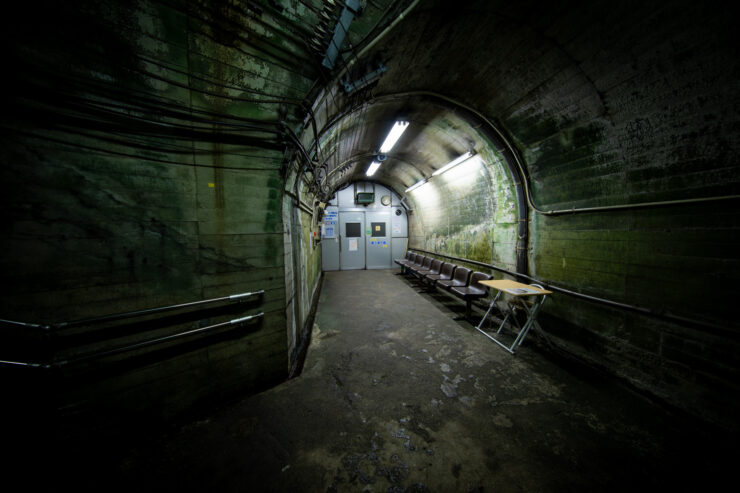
(532, 316)
(493, 303)
(523, 329)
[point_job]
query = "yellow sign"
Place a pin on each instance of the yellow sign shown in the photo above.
(377, 228)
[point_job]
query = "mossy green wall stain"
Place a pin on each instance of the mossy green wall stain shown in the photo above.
(527, 130)
(248, 75)
(570, 164)
(272, 216)
(173, 26)
(105, 221)
(312, 258)
(468, 212)
(480, 247)
(303, 266)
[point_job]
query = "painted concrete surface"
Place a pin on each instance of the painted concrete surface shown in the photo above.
(396, 396)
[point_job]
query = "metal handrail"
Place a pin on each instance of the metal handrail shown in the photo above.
(603, 301)
(53, 328)
(132, 314)
(150, 342)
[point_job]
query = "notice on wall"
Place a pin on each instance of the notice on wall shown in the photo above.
(352, 244)
(330, 224)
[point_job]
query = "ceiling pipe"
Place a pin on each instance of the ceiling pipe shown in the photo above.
(375, 40)
(512, 152)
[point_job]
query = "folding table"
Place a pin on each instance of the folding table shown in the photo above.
(520, 291)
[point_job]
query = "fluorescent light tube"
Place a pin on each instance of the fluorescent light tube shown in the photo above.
(416, 185)
(453, 163)
(372, 168)
(398, 129)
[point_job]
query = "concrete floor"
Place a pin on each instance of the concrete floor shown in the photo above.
(396, 396)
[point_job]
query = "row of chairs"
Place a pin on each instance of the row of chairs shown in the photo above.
(450, 277)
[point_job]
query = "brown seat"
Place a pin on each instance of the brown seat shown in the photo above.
(434, 268)
(459, 279)
(472, 291)
(445, 274)
(418, 260)
(403, 261)
(414, 262)
(426, 263)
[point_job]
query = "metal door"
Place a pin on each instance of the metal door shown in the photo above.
(378, 240)
(352, 240)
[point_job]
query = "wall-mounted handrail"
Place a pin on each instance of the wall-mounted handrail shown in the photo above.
(150, 342)
(133, 314)
(52, 329)
(132, 347)
(660, 314)
(23, 363)
(23, 324)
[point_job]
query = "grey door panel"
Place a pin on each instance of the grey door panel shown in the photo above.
(379, 240)
(352, 240)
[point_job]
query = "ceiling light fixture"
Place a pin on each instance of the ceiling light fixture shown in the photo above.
(398, 129)
(454, 163)
(372, 168)
(416, 185)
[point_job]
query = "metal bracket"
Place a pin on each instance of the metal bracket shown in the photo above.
(350, 87)
(350, 10)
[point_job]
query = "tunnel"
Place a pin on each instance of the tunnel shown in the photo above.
(205, 226)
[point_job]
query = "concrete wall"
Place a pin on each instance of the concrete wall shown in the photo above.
(302, 261)
(647, 117)
(136, 175)
(468, 211)
(612, 103)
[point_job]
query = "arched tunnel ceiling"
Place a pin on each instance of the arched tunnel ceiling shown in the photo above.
(435, 136)
(560, 80)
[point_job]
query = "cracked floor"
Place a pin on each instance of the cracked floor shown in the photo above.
(396, 396)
